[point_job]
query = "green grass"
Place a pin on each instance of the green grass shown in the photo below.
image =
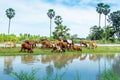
(22, 75)
(110, 75)
(37, 51)
(25, 76)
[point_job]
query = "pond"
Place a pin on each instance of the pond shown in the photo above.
(69, 66)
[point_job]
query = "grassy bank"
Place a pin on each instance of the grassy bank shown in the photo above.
(15, 51)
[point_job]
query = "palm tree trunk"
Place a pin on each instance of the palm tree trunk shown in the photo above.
(9, 26)
(99, 19)
(105, 29)
(105, 21)
(50, 26)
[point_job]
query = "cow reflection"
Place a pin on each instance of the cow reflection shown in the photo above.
(83, 56)
(27, 59)
(8, 64)
(59, 60)
(92, 57)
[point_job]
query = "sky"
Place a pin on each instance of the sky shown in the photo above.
(31, 15)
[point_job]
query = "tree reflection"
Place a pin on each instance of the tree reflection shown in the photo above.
(107, 59)
(8, 64)
(49, 70)
(116, 65)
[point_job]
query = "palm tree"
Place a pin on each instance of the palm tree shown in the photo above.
(106, 11)
(10, 14)
(99, 9)
(58, 20)
(51, 14)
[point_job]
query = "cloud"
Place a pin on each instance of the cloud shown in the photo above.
(31, 16)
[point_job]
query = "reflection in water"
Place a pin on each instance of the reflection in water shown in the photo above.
(29, 59)
(83, 57)
(49, 70)
(90, 66)
(8, 64)
(116, 65)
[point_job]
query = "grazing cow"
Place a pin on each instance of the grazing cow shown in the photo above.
(75, 47)
(84, 43)
(63, 45)
(46, 43)
(92, 45)
(9, 44)
(26, 46)
(56, 47)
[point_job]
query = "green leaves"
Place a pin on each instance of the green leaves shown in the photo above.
(10, 13)
(99, 8)
(114, 19)
(61, 32)
(58, 20)
(51, 13)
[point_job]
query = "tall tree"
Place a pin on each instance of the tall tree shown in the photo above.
(58, 20)
(10, 14)
(51, 14)
(114, 19)
(99, 9)
(106, 11)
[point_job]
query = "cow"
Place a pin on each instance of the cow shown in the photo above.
(26, 46)
(46, 43)
(92, 45)
(32, 43)
(75, 47)
(9, 44)
(58, 48)
(83, 42)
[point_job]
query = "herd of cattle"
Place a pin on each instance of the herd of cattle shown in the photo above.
(57, 45)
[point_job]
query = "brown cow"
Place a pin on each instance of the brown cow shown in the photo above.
(83, 42)
(92, 45)
(63, 44)
(26, 46)
(75, 47)
(46, 43)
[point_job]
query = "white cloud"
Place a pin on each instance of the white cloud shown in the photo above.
(31, 16)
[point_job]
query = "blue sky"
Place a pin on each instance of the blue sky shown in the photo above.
(31, 17)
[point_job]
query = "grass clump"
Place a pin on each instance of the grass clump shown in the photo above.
(25, 76)
(110, 75)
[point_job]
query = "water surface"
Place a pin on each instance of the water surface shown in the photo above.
(69, 66)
